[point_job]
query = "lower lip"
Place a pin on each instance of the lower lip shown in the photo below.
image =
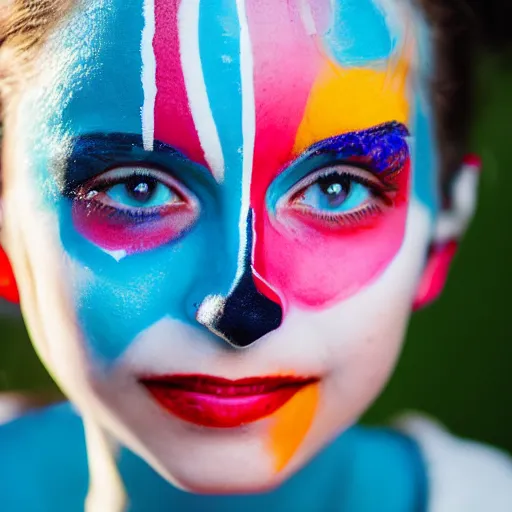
(219, 403)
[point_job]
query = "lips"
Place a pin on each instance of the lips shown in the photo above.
(222, 403)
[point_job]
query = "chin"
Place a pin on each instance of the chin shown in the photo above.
(250, 458)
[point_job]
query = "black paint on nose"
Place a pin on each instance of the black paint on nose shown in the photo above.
(247, 315)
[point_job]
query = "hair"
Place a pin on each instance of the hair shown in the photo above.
(25, 24)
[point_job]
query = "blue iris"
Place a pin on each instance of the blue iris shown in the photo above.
(142, 192)
(335, 193)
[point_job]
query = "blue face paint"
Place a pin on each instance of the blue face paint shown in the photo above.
(359, 33)
(425, 158)
(149, 283)
(219, 45)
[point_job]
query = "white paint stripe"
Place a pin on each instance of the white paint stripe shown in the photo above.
(307, 17)
(148, 76)
(248, 132)
(188, 27)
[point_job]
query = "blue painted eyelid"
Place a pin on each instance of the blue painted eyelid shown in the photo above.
(94, 154)
(382, 148)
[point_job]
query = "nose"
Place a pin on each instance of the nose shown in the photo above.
(245, 315)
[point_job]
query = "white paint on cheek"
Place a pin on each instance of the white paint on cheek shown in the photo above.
(248, 132)
(117, 255)
(148, 76)
(188, 28)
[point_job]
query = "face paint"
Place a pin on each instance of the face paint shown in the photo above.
(292, 424)
(236, 171)
(372, 225)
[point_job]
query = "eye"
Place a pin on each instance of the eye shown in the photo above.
(142, 192)
(136, 189)
(133, 209)
(339, 194)
(334, 193)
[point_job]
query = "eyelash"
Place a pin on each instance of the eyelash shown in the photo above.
(347, 219)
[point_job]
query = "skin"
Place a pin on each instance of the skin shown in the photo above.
(240, 112)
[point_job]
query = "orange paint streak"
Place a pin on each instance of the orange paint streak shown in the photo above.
(343, 100)
(292, 423)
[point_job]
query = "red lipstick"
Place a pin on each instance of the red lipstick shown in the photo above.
(222, 403)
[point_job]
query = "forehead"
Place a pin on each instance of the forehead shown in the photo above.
(205, 76)
(177, 57)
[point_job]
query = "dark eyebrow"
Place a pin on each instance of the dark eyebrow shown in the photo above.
(382, 148)
(94, 153)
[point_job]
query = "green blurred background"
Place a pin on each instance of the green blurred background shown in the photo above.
(457, 362)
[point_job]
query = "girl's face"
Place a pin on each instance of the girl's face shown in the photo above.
(218, 212)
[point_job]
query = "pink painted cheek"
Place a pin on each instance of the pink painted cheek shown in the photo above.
(111, 230)
(317, 265)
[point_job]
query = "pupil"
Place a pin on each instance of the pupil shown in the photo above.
(141, 189)
(336, 188)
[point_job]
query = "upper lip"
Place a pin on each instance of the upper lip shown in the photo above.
(221, 387)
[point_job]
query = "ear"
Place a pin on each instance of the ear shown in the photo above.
(8, 287)
(451, 225)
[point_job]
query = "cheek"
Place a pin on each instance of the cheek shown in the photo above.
(322, 265)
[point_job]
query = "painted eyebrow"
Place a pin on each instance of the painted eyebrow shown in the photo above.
(382, 148)
(92, 154)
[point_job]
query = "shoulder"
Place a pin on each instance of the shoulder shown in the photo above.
(462, 475)
(41, 454)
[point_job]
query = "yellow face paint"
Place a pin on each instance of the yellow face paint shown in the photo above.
(292, 423)
(343, 100)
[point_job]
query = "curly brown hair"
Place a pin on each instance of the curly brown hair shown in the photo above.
(24, 25)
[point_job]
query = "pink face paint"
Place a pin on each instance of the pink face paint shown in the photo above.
(287, 258)
(113, 230)
(174, 124)
(316, 263)
(435, 274)
(285, 69)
